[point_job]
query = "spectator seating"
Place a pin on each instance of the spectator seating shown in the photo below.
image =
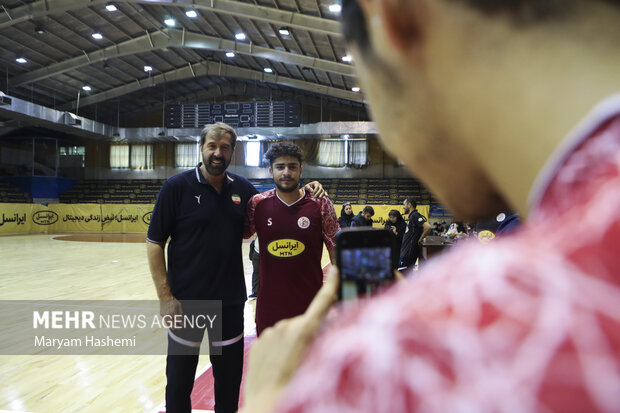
(357, 191)
(129, 191)
(12, 194)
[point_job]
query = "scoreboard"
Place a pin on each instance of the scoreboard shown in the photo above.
(235, 114)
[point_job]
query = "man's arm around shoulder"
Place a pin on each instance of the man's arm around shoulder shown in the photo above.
(330, 226)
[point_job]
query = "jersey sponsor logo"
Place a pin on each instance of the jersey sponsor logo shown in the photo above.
(485, 236)
(303, 222)
(236, 198)
(269, 222)
(197, 198)
(285, 248)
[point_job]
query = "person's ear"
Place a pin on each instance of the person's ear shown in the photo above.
(271, 171)
(403, 21)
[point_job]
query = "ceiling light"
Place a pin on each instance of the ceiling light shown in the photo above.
(148, 68)
(335, 8)
(170, 22)
(347, 58)
(87, 88)
(21, 60)
(240, 36)
(39, 30)
(284, 31)
(230, 54)
(110, 7)
(191, 13)
(97, 36)
(355, 89)
(268, 70)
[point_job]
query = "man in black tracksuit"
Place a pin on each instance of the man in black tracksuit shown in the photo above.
(364, 218)
(417, 229)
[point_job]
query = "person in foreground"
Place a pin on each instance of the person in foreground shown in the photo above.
(522, 99)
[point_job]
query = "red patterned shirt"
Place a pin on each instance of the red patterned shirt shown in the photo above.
(528, 323)
(291, 241)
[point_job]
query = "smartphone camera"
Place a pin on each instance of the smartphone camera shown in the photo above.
(366, 259)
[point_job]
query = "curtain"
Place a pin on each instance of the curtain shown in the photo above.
(142, 156)
(119, 156)
(312, 156)
(331, 153)
(186, 155)
(358, 153)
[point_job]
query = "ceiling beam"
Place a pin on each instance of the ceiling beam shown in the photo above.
(41, 8)
(219, 70)
(180, 38)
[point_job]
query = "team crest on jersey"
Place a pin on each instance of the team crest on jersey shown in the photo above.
(236, 199)
(285, 248)
(303, 222)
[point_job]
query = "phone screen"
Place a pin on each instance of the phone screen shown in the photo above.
(364, 270)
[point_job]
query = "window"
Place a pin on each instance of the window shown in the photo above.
(141, 156)
(72, 154)
(341, 152)
(252, 153)
(119, 156)
(131, 156)
(356, 153)
(331, 153)
(186, 154)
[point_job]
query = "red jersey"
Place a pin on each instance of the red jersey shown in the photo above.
(527, 323)
(291, 241)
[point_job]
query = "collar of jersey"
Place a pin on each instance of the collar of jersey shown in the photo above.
(603, 111)
(287, 204)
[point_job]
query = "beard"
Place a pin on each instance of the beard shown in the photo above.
(215, 169)
(288, 186)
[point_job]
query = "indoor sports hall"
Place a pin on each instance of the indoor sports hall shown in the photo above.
(102, 101)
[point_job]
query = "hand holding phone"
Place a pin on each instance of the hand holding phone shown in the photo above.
(366, 259)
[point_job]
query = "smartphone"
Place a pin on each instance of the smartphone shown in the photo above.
(366, 258)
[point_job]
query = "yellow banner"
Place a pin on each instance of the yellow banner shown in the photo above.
(113, 218)
(74, 217)
(116, 218)
(135, 218)
(17, 219)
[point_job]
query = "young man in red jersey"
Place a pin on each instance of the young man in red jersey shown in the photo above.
(292, 226)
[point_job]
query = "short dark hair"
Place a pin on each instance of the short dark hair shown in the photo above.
(354, 26)
(217, 130)
(355, 29)
(411, 201)
(368, 209)
(283, 149)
